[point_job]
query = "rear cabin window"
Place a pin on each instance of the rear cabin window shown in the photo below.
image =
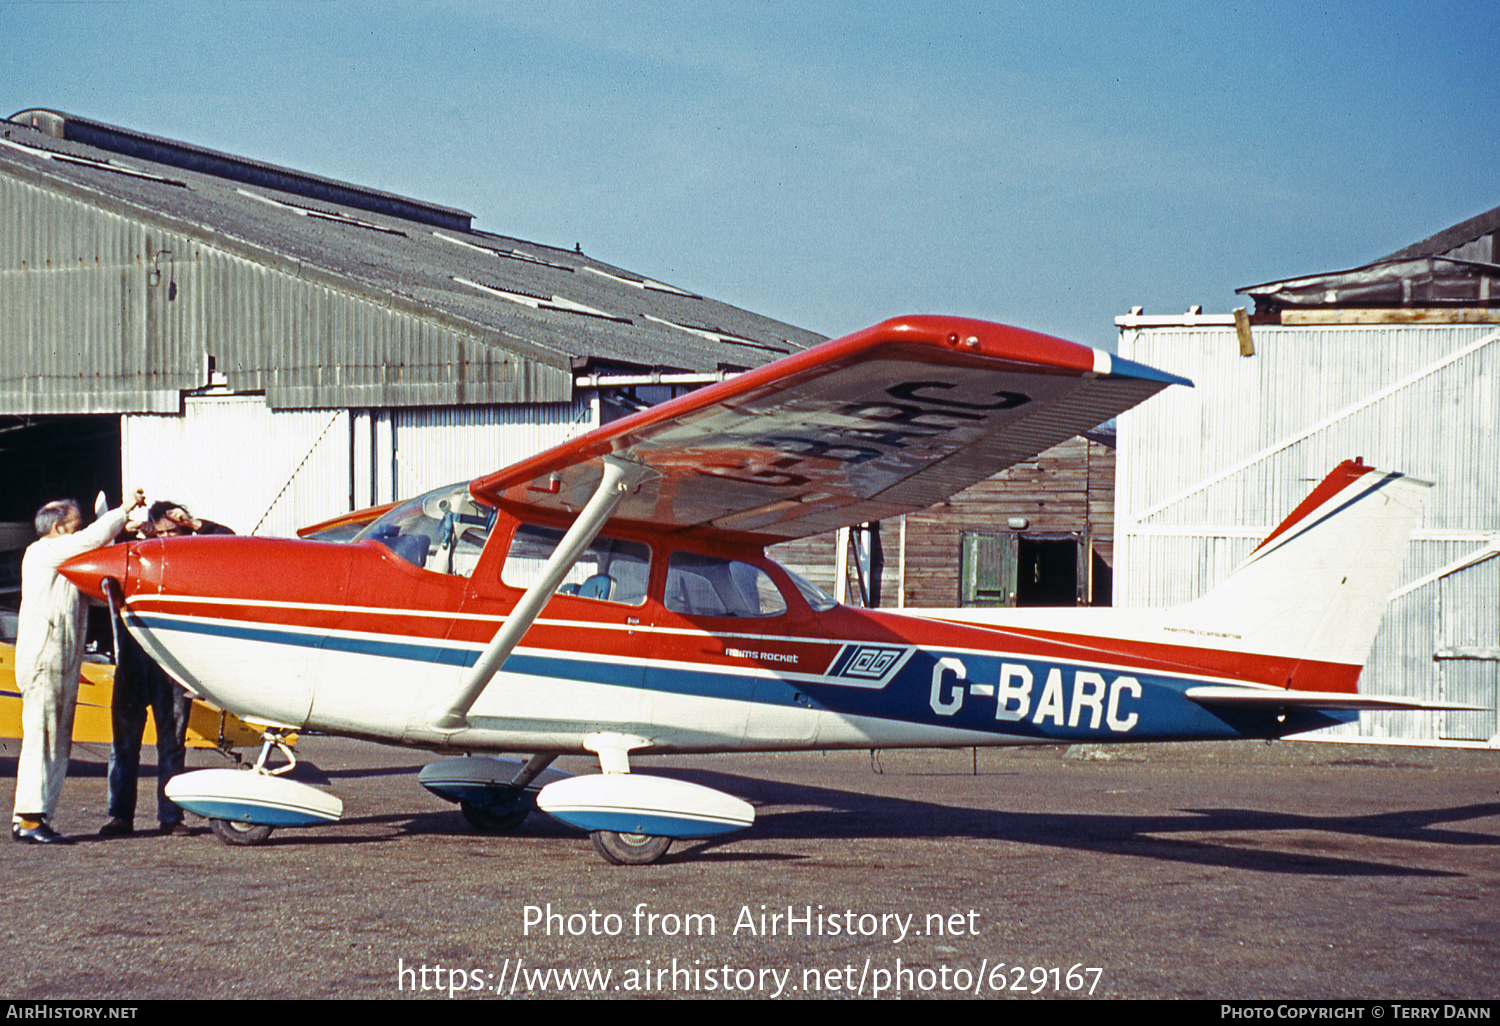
(609, 569)
(709, 586)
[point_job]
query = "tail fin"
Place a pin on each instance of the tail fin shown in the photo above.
(1300, 614)
(1315, 590)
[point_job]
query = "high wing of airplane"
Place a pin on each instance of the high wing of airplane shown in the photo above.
(883, 422)
(612, 596)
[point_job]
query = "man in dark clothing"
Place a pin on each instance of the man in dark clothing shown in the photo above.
(168, 519)
(141, 684)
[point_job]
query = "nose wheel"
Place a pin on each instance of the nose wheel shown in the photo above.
(492, 820)
(242, 833)
(243, 806)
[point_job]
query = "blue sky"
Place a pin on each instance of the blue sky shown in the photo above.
(832, 164)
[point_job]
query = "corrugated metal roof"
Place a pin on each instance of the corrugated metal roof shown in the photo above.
(170, 152)
(319, 292)
(1457, 267)
(1473, 239)
(1427, 281)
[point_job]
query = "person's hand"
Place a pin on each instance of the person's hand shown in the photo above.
(137, 500)
(181, 519)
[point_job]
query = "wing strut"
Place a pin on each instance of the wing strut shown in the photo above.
(619, 477)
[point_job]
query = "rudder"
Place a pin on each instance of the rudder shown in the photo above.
(1315, 590)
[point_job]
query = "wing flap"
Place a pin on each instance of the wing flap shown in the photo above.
(883, 422)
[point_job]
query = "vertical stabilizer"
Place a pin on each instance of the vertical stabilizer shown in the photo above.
(1315, 590)
(1301, 612)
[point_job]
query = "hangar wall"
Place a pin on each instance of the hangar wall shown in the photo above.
(260, 471)
(113, 314)
(1065, 492)
(1204, 473)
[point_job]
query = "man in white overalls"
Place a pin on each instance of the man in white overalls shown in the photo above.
(49, 655)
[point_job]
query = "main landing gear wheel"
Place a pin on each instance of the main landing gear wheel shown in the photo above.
(232, 831)
(493, 821)
(630, 849)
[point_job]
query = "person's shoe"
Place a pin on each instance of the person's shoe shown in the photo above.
(178, 829)
(117, 827)
(41, 834)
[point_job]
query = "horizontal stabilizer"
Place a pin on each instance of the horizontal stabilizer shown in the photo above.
(1258, 698)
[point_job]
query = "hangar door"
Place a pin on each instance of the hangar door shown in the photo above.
(258, 470)
(234, 460)
(1203, 474)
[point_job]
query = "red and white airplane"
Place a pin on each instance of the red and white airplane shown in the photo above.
(612, 596)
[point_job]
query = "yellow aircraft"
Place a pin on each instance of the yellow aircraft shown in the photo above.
(208, 727)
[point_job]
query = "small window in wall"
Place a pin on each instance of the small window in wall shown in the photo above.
(709, 586)
(609, 569)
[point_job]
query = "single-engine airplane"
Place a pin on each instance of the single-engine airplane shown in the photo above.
(612, 596)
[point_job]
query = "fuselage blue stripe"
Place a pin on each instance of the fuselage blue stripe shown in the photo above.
(968, 700)
(414, 651)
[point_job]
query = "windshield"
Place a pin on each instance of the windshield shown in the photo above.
(816, 597)
(443, 531)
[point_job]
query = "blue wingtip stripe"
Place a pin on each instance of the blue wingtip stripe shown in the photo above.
(1123, 368)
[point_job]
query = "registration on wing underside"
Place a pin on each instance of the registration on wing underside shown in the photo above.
(881, 423)
(820, 446)
(844, 441)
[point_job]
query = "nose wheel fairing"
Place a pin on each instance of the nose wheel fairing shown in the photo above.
(244, 805)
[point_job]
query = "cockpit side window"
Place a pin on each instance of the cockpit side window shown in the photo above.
(443, 531)
(610, 569)
(699, 585)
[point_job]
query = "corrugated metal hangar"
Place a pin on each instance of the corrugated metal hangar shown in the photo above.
(1398, 362)
(277, 348)
(272, 348)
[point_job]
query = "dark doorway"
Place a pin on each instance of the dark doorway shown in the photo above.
(1047, 574)
(46, 458)
(1016, 569)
